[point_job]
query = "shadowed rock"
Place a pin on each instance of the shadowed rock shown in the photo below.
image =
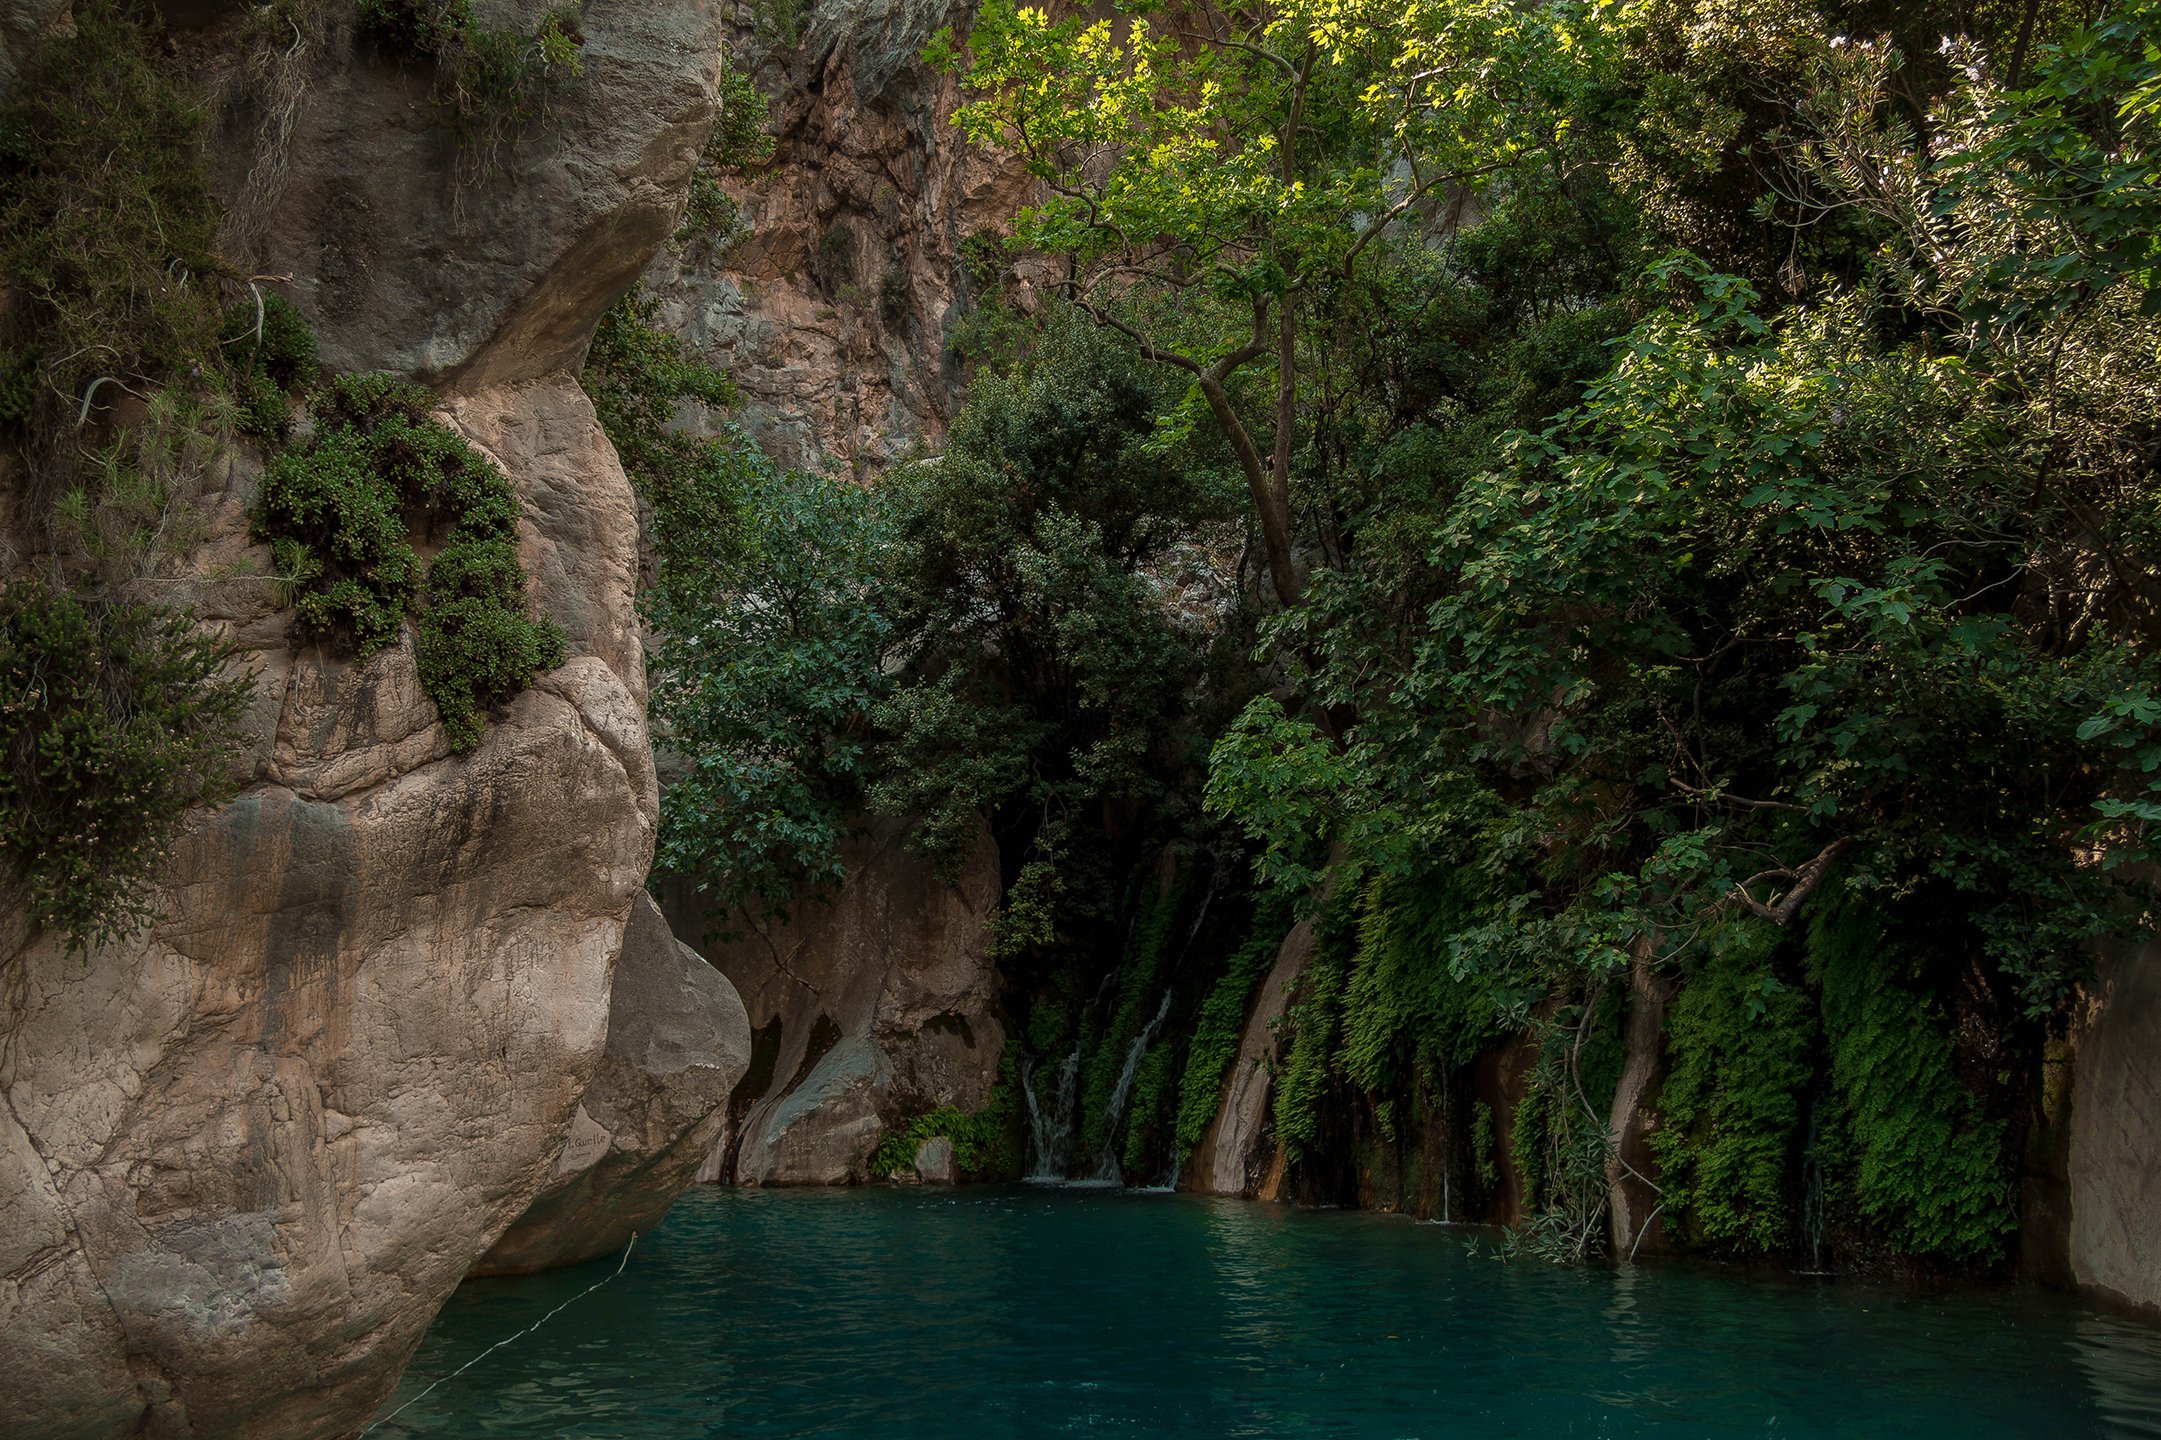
(678, 1041)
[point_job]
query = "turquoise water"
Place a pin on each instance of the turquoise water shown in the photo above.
(1031, 1312)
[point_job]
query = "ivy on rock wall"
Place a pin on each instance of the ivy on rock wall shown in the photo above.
(1742, 1042)
(1220, 1022)
(1926, 1166)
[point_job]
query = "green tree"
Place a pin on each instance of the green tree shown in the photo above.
(1857, 586)
(763, 681)
(1054, 602)
(1216, 175)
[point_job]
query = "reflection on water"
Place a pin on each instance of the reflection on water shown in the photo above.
(1040, 1312)
(2120, 1358)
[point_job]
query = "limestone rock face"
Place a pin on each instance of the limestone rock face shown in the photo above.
(245, 1156)
(935, 1163)
(836, 315)
(1233, 1158)
(678, 1042)
(865, 1010)
(2115, 1241)
(453, 260)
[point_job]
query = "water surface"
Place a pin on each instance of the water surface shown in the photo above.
(1040, 1312)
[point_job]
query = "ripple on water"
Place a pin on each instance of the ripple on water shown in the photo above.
(1045, 1312)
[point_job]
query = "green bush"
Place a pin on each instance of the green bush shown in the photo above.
(986, 1144)
(764, 677)
(639, 375)
(107, 223)
(335, 511)
(738, 142)
(270, 352)
(115, 719)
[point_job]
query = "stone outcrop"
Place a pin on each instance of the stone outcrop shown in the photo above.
(464, 265)
(678, 1043)
(250, 1153)
(245, 1156)
(2115, 1183)
(866, 1009)
(1234, 1156)
(836, 315)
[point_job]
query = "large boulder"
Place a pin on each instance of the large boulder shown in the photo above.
(246, 1155)
(869, 1007)
(678, 1042)
(456, 260)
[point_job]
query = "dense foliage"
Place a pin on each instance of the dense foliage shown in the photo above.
(107, 224)
(1053, 604)
(763, 685)
(123, 374)
(336, 510)
(116, 718)
(1712, 470)
(1696, 463)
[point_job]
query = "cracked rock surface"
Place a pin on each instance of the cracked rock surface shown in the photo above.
(246, 1155)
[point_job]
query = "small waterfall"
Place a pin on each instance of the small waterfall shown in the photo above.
(1812, 1189)
(1200, 915)
(1048, 1135)
(1115, 1112)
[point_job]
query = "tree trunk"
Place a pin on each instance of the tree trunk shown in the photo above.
(1631, 1196)
(1273, 510)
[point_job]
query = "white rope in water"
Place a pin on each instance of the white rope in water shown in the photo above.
(507, 1339)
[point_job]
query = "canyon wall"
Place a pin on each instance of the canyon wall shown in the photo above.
(870, 234)
(838, 314)
(245, 1156)
(867, 1008)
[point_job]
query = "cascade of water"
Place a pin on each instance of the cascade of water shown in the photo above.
(1035, 1114)
(1113, 1113)
(1200, 914)
(1444, 1194)
(1049, 1133)
(1812, 1189)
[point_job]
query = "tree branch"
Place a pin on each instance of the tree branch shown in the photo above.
(1804, 880)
